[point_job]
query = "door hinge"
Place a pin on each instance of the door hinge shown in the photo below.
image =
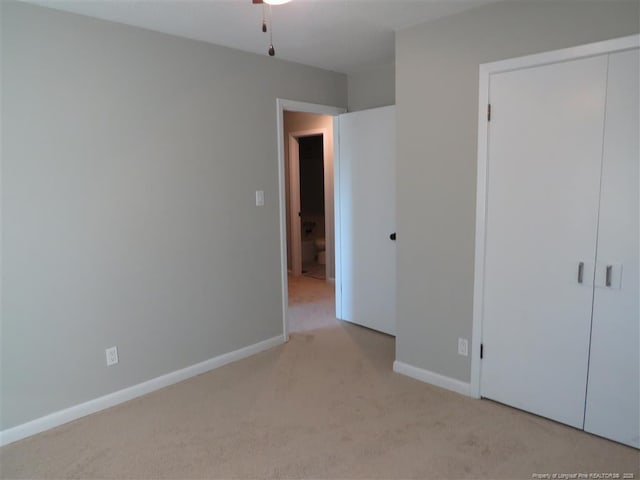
(489, 112)
(481, 351)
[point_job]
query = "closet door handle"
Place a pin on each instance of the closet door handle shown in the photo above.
(580, 272)
(608, 272)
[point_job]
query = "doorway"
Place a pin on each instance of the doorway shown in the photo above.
(305, 125)
(310, 180)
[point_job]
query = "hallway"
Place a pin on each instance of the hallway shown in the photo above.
(311, 304)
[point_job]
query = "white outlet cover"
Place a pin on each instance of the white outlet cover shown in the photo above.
(463, 346)
(112, 356)
(259, 198)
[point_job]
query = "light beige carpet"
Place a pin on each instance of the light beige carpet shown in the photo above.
(325, 405)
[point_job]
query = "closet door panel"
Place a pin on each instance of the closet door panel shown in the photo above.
(613, 394)
(544, 160)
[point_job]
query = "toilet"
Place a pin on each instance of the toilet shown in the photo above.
(308, 251)
(320, 248)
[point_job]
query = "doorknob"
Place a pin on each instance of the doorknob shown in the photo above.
(392, 236)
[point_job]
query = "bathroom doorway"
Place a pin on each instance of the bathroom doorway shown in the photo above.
(308, 206)
(311, 201)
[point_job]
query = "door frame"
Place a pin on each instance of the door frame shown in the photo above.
(305, 107)
(294, 194)
(486, 70)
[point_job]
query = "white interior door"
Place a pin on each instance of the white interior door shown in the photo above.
(366, 217)
(544, 160)
(613, 393)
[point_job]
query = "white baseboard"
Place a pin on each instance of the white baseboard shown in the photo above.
(432, 378)
(60, 417)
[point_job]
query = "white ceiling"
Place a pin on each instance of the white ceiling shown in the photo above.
(339, 35)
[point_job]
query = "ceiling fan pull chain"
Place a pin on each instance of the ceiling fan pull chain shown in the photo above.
(272, 51)
(264, 22)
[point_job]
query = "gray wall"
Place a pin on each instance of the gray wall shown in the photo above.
(437, 105)
(129, 168)
(371, 88)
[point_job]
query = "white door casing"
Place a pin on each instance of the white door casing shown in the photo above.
(366, 217)
(615, 373)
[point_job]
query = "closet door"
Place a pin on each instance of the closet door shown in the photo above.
(544, 160)
(613, 394)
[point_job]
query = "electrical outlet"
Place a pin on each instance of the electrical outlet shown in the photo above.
(259, 198)
(463, 347)
(112, 356)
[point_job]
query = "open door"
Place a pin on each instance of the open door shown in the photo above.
(366, 219)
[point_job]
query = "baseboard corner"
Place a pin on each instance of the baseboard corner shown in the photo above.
(432, 378)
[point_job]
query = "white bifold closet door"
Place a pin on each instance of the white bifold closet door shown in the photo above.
(613, 392)
(366, 215)
(544, 161)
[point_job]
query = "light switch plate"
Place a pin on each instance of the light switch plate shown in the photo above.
(259, 198)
